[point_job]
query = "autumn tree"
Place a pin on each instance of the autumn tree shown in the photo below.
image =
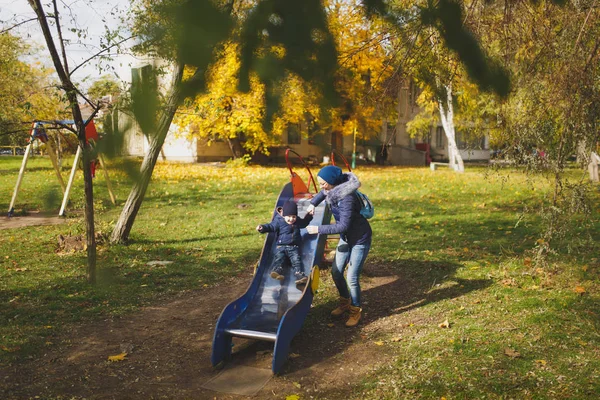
(26, 92)
(438, 49)
(278, 40)
(553, 52)
(183, 33)
(224, 113)
(189, 34)
(364, 73)
(61, 65)
(106, 85)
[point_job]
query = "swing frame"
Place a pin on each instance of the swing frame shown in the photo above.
(38, 132)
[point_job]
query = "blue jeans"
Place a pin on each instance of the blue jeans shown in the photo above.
(291, 253)
(355, 257)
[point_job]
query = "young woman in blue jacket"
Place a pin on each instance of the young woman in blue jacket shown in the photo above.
(338, 189)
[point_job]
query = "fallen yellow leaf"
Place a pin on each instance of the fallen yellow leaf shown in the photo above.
(541, 362)
(292, 397)
(580, 290)
(511, 353)
(330, 325)
(379, 343)
(508, 282)
(444, 324)
(118, 357)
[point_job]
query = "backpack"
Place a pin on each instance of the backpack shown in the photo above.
(367, 209)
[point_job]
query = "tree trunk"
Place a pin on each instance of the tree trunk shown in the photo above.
(235, 146)
(120, 233)
(89, 204)
(447, 117)
(71, 92)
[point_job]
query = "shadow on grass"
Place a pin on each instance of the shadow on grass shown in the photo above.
(404, 285)
(126, 280)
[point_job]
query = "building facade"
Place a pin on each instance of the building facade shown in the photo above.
(391, 146)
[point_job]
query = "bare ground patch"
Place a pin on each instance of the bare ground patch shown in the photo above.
(31, 219)
(169, 347)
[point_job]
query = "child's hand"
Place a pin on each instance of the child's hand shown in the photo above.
(259, 228)
(310, 210)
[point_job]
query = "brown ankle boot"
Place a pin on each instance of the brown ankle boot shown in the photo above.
(355, 314)
(342, 308)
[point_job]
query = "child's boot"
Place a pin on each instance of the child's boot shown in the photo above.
(276, 274)
(342, 308)
(301, 279)
(355, 314)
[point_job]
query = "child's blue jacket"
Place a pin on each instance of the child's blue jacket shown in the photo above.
(287, 234)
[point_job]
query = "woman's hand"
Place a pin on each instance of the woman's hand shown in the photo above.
(312, 229)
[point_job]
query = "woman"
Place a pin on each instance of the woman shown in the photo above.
(338, 189)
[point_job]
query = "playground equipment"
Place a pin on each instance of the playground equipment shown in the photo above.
(332, 159)
(273, 310)
(38, 131)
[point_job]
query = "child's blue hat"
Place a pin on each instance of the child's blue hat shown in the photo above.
(290, 208)
(331, 174)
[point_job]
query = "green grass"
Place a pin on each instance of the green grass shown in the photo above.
(461, 240)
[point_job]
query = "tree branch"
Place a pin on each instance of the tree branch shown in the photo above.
(17, 24)
(583, 25)
(41, 17)
(60, 38)
(98, 53)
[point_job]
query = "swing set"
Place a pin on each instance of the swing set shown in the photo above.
(38, 132)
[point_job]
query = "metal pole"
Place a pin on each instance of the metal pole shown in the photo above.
(11, 208)
(52, 156)
(61, 213)
(108, 184)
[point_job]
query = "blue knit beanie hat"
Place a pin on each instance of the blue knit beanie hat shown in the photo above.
(331, 174)
(290, 208)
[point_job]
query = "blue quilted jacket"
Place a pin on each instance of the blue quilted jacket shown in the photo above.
(287, 234)
(345, 207)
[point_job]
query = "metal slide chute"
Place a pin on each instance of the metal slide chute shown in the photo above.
(273, 310)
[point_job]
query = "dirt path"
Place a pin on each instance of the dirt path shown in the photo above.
(169, 349)
(31, 219)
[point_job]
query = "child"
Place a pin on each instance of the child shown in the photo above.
(287, 225)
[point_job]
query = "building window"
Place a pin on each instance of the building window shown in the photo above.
(439, 138)
(470, 143)
(293, 134)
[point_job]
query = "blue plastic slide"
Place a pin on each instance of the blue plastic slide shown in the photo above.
(274, 310)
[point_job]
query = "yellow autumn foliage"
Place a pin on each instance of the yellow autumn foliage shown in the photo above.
(364, 73)
(224, 113)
